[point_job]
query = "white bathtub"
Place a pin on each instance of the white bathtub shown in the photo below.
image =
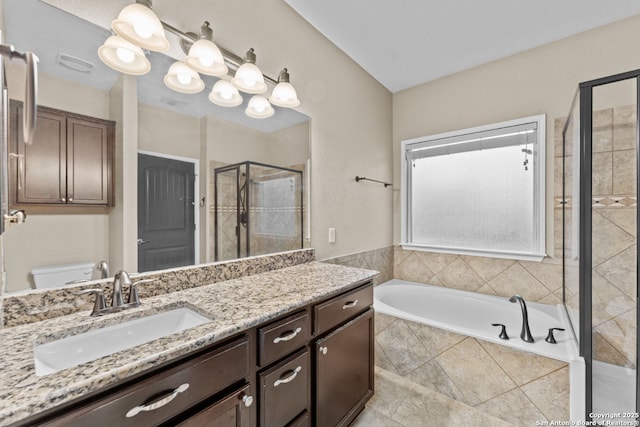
(471, 314)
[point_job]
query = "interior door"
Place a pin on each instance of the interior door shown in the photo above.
(166, 223)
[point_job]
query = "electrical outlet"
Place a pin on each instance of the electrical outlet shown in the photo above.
(332, 235)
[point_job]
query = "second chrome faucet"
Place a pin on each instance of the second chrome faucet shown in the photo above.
(120, 281)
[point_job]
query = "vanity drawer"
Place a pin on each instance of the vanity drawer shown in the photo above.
(341, 308)
(205, 375)
(284, 390)
(282, 337)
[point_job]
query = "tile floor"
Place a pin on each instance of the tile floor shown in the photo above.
(398, 402)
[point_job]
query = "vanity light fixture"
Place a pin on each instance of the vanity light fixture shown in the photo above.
(225, 94)
(284, 94)
(248, 77)
(183, 78)
(259, 107)
(124, 56)
(138, 27)
(204, 56)
(138, 24)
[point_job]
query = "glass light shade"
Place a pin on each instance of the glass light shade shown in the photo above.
(182, 78)
(139, 25)
(248, 78)
(225, 94)
(123, 56)
(284, 95)
(259, 107)
(205, 57)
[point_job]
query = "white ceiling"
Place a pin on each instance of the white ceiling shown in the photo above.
(404, 43)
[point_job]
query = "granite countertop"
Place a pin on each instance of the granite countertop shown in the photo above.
(234, 305)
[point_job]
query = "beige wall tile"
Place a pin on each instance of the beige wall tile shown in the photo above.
(607, 239)
(608, 301)
(621, 333)
(558, 126)
(624, 218)
(521, 367)
(460, 276)
(624, 172)
(403, 349)
(549, 274)
(602, 173)
(624, 127)
(517, 280)
(487, 268)
(436, 261)
(605, 352)
(481, 379)
(435, 340)
(550, 394)
(413, 269)
(602, 137)
(620, 270)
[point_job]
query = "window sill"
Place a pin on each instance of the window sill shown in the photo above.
(476, 252)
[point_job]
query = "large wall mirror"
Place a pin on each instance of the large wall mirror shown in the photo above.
(256, 169)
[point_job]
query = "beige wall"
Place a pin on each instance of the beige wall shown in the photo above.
(166, 132)
(540, 80)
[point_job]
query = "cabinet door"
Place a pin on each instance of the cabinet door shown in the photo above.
(87, 162)
(38, 171)
(344, 371)
(233, 410)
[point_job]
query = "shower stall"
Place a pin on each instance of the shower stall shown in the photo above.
(596, 204)
(258, 210)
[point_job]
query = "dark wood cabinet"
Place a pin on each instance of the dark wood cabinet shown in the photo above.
(69, 163)
(344, 371)
(233, 410)
(295, 377)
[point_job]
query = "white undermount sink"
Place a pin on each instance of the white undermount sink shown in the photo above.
(74, 350)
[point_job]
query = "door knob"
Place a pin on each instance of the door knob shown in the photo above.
(323, 350)
(142, 242)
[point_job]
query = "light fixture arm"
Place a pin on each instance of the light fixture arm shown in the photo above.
(233, 60)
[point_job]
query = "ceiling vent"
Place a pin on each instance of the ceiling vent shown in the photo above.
(73, 63)
(172, 102)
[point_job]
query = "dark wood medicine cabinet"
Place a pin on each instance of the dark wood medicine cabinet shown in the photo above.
(69, 168)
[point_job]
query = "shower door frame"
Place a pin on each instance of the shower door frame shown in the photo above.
(247, 165)
(586, 260)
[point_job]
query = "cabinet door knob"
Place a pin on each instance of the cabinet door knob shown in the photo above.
(323, 350)
(247, 400)
(70, 199)
(63, 199)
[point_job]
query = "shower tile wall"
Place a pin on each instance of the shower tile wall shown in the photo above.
(614, 205)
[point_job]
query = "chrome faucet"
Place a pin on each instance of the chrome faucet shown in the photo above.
(120, 280)
(103, 268)
(525, 334)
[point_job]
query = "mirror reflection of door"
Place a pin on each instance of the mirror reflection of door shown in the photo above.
(166, 209)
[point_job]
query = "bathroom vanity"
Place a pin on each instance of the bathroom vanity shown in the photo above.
(288, 347)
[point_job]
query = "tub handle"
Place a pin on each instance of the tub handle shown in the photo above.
(550, 338)
(350, 304)
(503, 331)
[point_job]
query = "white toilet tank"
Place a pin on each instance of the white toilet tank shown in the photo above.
(59, 275)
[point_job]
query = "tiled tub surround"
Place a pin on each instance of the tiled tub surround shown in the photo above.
(380, 260)
(517, 387)
(234, 305)
(36, 305)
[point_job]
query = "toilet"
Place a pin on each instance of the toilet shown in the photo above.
(51, 276)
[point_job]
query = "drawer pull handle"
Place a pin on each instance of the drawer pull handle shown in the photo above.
(350, 304)
(292, 376)
(158, 403)
(287, 337)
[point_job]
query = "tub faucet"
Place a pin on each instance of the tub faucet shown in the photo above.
(525, 334)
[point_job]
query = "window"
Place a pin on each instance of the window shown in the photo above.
(477, 191)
